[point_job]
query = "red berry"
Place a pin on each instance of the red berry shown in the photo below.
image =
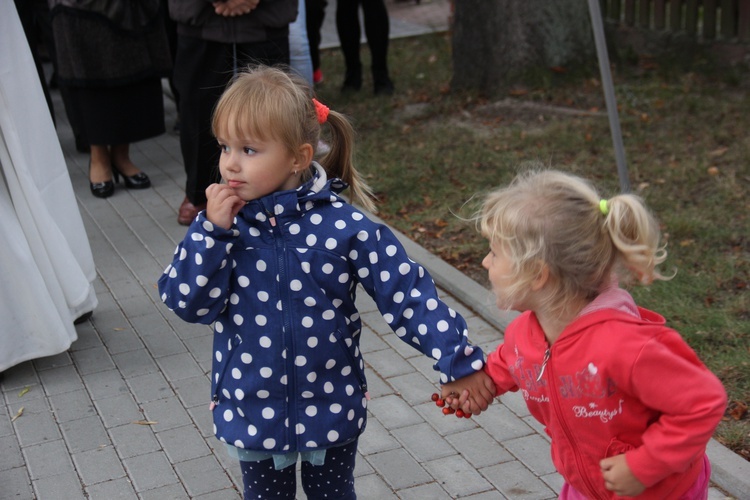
(460, 413)
(440, 402)
(448, 410)
(435, 396)
(467, 415)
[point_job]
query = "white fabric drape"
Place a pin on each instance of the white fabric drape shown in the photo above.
(46, 265)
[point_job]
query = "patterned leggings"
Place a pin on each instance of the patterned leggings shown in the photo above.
(332, 480)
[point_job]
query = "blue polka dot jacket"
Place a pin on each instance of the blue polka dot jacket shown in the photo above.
(279, 288)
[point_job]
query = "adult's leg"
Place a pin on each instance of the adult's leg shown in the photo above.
(200, 76)
(201, 72)
(170, 26)
(262, 480)
(347, 26)
(315, 11)
(299, 45)
(271, 53)
(335, 478)
(377, 31)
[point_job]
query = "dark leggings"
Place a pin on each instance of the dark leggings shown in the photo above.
(332, 480)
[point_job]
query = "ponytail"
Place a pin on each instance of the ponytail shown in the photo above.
(636, 236)
(339, 161)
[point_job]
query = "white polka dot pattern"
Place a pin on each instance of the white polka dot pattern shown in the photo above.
(288, 373)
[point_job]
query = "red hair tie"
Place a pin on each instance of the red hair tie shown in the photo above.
(321, 110)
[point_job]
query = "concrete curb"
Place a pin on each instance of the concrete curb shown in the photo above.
(728, 470)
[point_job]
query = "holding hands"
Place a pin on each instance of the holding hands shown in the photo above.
(222, 205)
(471, 394)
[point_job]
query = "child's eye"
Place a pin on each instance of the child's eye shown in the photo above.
(222, 147)
(248, 150)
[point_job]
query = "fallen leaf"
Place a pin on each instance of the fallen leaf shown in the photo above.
(718, 152)
(738, 411)
(24, 391)
(18, 414)
(144, 422)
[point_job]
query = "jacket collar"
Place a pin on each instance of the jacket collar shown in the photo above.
(292, 203)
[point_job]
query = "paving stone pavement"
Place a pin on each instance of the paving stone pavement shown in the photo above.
(124, 413)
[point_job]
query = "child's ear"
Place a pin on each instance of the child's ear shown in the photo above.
(304, 157)
(541, 279)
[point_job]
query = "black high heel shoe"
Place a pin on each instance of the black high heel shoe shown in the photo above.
(101, 189)
(137, 181)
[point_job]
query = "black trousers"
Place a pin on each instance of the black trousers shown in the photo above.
(202, 70)
(377, 28)
(315, 13)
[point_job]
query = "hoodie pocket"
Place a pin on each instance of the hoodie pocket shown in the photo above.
(617, 447)
(219, 374)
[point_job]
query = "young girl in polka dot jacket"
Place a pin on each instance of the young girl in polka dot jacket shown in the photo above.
(628, 405)
(274, 262)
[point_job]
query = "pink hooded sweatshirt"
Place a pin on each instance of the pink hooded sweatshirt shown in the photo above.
(617, 380)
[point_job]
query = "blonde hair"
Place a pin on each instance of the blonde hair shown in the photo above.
(552, 218)
(271, 104)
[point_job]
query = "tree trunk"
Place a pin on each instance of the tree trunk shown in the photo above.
(499, 43)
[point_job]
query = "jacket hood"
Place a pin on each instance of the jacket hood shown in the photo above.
(612, 303)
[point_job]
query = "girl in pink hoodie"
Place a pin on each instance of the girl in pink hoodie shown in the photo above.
(627, 403)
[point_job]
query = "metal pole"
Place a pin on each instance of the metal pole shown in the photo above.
(609, 93)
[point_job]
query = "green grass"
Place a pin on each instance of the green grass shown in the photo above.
(427, 151)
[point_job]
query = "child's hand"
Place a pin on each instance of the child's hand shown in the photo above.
(222, 205)
(473, 393)
(618, 477)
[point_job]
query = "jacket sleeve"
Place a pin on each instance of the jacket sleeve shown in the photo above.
(408, 300)
(497, 369)
(668, 377)
(196, 284)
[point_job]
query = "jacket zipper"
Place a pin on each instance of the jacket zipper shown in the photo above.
(544, 364)
(563, 424)
(286, 328)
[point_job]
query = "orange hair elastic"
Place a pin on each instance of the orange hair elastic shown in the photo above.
(321, 110)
